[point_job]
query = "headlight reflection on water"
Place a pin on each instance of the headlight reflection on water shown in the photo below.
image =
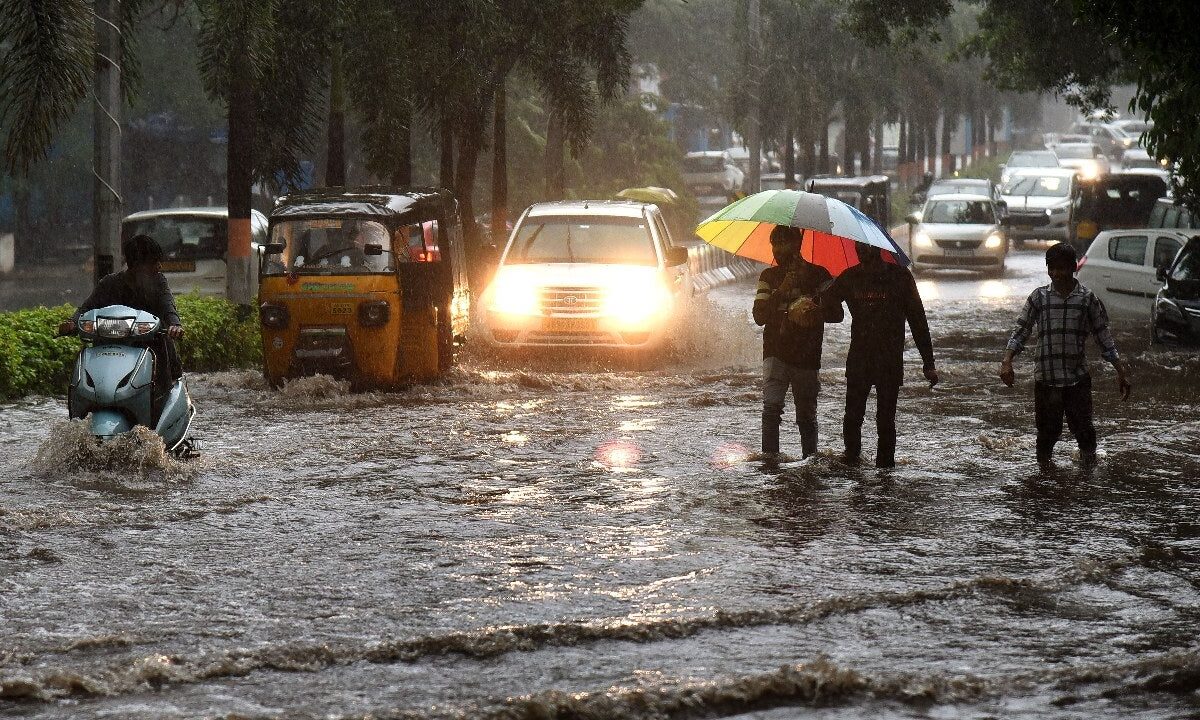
(618, 454)
(730, 454)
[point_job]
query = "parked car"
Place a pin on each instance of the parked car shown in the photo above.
(194, 242)
(1119, 200)
(598, 274)
(1121, 266)
(1167, 214)
(1042, 203)
(1086, 158)
(1176, 314)
(711, 173)
(1027, 159)
(961, 231)
(774, 181)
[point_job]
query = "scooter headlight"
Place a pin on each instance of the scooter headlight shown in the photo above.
(87, 327)
(114, 327)
(143, 328)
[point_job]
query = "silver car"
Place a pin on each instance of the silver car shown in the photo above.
(958, 231)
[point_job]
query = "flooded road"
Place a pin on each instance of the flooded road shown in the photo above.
(548, 541)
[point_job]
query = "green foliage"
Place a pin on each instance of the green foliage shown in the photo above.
(986, 168)
(218, 335)
(34, 360)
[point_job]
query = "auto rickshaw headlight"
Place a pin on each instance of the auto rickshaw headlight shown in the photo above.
(273, 316)
(373, 313)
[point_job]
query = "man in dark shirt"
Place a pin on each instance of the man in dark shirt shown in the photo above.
(141, 286)
(788, 303)
(881, 297)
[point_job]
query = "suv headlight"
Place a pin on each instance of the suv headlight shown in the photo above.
(512, 295)
(993, 241)
(636, 303)
(922, 239)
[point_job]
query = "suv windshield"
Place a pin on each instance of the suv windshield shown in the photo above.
(703, 164)
(1074, 152)
(1037, 186)
(1188, 267)
(1033, 159)
(183, 237)
(329, 246)
(959, 212)
(582, 239)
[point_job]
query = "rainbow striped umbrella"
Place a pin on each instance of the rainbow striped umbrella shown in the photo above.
(831, 229)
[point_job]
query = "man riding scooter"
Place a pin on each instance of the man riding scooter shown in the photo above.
(141, 286)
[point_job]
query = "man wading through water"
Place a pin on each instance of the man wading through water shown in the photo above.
(1064, 313)
(788, 304)
(881, 297)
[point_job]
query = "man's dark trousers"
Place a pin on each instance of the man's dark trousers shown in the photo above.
(1050, 403)
(857, 391)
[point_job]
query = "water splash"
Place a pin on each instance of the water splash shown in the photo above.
(133, 457)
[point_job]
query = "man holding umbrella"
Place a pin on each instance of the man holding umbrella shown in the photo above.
(882, 296)
(788, 304)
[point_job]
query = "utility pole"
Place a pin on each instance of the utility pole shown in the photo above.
(106, 129)
(754, 61)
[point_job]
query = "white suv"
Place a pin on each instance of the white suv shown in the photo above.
(587, 274)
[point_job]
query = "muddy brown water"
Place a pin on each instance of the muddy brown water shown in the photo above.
(541, 540)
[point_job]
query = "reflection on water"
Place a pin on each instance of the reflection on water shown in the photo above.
(546, 540)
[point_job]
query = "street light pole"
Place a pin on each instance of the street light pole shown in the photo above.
(106, 127)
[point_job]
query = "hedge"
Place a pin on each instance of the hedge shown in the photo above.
(219, 336)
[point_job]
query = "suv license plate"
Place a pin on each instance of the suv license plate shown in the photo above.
(960, 252)
(567, 325)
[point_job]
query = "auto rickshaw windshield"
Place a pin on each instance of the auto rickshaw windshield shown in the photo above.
(338, 246)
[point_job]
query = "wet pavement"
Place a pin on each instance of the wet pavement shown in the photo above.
(531, 539)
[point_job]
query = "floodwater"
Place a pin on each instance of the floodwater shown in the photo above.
(542, 540)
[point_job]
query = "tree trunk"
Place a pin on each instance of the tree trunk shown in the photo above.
(824, 147)
(947, 156)
(922, 148)
(877, 148)
(789, 157)
(554, 169)
(500, 164)
(239, 169)
(335, 158)
(445, 148)
(931, 145)
(808, 160)
(106, 123)
(24, 247)
(902, 152)
(402, 172)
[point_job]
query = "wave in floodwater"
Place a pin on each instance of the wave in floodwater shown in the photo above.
(154, 670)
(135, 460)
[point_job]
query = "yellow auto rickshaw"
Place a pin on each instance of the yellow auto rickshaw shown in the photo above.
(366, 284)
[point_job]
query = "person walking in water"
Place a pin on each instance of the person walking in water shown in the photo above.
(881, 296)
(1064, 314)
(789, 305)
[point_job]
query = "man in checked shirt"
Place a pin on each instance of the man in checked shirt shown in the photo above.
(1064, 313)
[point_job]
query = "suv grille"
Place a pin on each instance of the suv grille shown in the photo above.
(572, 300)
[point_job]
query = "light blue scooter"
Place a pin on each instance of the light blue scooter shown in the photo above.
(114, 379)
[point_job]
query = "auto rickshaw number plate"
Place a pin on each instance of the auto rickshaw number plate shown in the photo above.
(341, 309)
(559, 324)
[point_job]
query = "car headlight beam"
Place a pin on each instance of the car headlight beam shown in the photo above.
(636, 303)
(511, 295)
(993, 241)
(922, 239)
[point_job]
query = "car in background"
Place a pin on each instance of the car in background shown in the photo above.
(1176, 314)
(1042, 203)
(1086, 158)
(194, 242)
(712, 173)
(1027, 159)
(1114, 201)
(595, 274)
(1049, 140)
(1121, 267)
(1166, 213)
(965, 186)
(1138, 158)
(1113, 140)
(774, 181)
(958, 231)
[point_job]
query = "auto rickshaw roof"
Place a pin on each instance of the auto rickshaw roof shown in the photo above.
(849, 182)
(365, 201)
